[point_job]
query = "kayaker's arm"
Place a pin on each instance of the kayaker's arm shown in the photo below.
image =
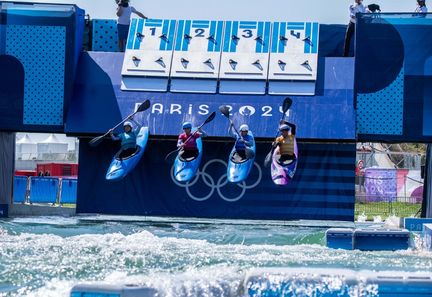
(113, 137)
(180, 143)
(249, 142)
(202, 133)
(276, 142)
(231, 131)
(137, 125)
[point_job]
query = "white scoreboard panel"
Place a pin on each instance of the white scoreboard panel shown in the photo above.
(294, 51)
(149, 48)
(198, 47)
(232, 57)
(246, 48)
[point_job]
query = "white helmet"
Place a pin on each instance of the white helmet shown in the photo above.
(127, 123)
(244, 127)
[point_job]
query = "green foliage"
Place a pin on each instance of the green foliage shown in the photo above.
(386, 209)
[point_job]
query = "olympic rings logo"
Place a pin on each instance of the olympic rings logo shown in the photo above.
(214, 185)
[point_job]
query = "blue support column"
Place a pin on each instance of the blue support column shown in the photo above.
(427, 194)
(7, 166)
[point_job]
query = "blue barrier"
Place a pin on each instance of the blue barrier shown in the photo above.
(281, 281)
(416, 224)
(427, 231)
(19, 189)
(381, 240)
(340, 238)
(43, 189)
(68, 192)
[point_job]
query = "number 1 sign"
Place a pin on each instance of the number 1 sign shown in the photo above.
(149, 48)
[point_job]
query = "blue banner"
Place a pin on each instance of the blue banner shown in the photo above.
(99, 104)
(322, 188)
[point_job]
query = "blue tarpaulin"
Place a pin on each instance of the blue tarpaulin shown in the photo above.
(68, 190)
(20, 189)
(43, 189)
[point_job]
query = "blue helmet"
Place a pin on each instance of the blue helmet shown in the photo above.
(284, 127)
(187, 125)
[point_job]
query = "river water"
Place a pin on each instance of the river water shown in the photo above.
(46, 256)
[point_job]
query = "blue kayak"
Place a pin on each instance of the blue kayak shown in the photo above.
(119, 168)
(186, 169)
(238, 168)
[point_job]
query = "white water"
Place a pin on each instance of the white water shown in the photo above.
(46, 257)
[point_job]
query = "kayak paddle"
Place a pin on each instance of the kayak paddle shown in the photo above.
(285, 106)
(208, 120)
(226, 112)
(95, 141)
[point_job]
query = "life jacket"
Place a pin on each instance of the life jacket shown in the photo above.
(286, 145)
(128, 140)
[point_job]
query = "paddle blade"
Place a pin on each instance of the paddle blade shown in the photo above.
(268, 158)
(224, 110)
(169, 158)
(249, 153)
(144, 106)
(286, 104)
(210, 118)
(95, 141)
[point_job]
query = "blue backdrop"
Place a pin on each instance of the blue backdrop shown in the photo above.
(394, 77)
(323, 187)
(99, 104)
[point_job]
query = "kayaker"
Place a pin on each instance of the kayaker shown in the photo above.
(242, 141)
(285, 142)
(128, 137)
(187, 141)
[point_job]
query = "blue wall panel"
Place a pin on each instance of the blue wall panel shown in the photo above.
(68, 190)
(43, 189)
(44, 64)
(104, 36)
(46, 41)
(392, 78)
(99, 104)
(382, 112)
(20, 189)
(323, 187)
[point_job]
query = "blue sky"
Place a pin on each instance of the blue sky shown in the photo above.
(328, 12)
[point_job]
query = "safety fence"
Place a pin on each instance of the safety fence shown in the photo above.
(52, 190)
(386, 192)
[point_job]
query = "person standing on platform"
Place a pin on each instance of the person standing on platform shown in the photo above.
(421, 7)
(124, 12)
(355, 8)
